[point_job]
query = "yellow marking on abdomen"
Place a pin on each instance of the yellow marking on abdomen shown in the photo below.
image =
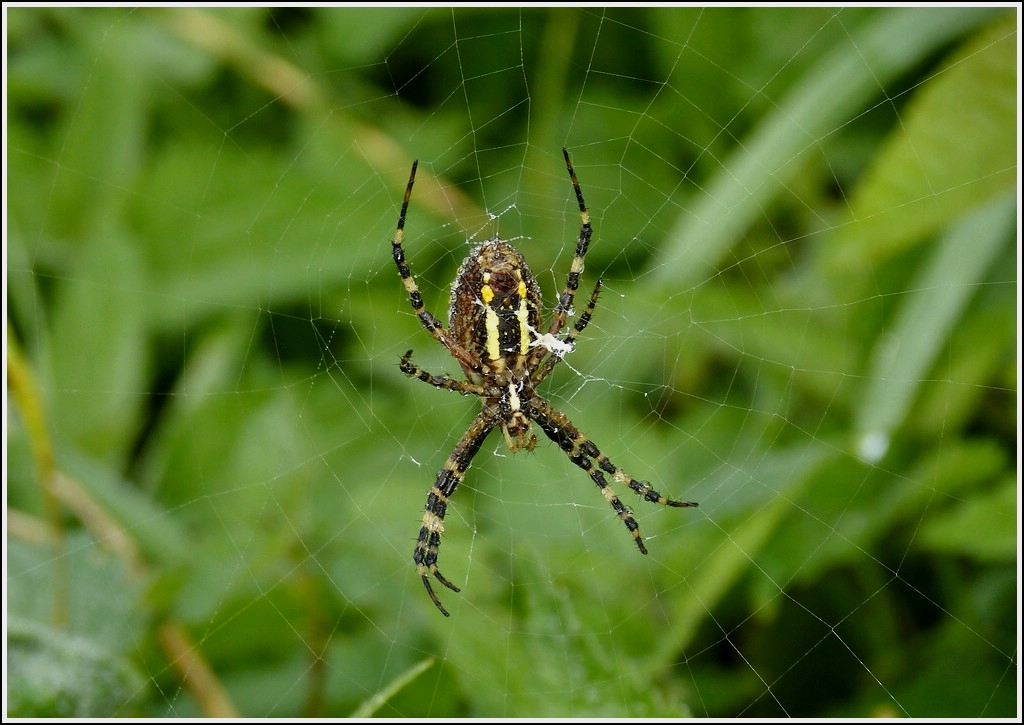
(523, 315)
(490, 318)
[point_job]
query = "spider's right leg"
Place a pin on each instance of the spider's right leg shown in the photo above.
(427, 318)
(448, 478)
(570, 337)
(582, 452)
(572, 282)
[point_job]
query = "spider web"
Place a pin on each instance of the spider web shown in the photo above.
(804, 220)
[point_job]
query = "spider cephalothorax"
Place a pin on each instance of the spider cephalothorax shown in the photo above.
(494, 332)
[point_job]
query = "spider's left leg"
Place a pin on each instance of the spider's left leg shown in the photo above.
(448, 478)
(443, 382)
(582, 451)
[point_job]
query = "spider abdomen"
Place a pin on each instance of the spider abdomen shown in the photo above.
(495, 306)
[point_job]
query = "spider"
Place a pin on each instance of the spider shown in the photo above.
(494, 332)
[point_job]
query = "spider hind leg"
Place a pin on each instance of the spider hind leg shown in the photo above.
(642, 488)
(448, 478)
(425, 570)
(584, 453)
(429, 540)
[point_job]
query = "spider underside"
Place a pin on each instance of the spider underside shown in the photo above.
(494, 332)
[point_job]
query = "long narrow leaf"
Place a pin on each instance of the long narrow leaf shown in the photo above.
(761, 166)
(903, 357)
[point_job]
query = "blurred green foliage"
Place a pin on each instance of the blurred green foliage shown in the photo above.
(805, 221)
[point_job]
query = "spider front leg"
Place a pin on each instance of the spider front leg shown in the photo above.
(448, 479)
(572, 282)
(582, 452)
(427, 318)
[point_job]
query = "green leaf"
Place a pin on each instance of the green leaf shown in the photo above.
(984, 528)
(368, 708)
(955, 150)
(781, 477)
(759, 168)
(98, 360)
(905, 354)
(52, 674)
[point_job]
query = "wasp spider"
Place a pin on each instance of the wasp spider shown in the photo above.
(495, 332)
